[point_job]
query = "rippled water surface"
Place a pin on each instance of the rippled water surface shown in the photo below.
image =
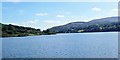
(71, 45)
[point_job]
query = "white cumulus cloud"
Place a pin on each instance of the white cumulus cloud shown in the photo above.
(41, 14)
(60, 16)
(52, 22)
(32, 21)
(96, 9)
(115, 10)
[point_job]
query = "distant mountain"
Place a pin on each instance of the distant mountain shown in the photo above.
(97, 25)
(105, 20)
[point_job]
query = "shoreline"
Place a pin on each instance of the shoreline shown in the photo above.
(59, 33)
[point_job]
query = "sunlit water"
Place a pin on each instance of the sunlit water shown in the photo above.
(71, 45)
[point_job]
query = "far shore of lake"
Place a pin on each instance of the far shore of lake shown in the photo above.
(58, 33)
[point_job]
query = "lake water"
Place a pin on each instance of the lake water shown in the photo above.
(71, 45)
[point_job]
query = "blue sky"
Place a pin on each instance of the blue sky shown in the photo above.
(44, 15)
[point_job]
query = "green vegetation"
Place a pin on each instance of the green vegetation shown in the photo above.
(87, 28)
(47, 32)
(17, 31)
(80, 30)
(100, 25)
